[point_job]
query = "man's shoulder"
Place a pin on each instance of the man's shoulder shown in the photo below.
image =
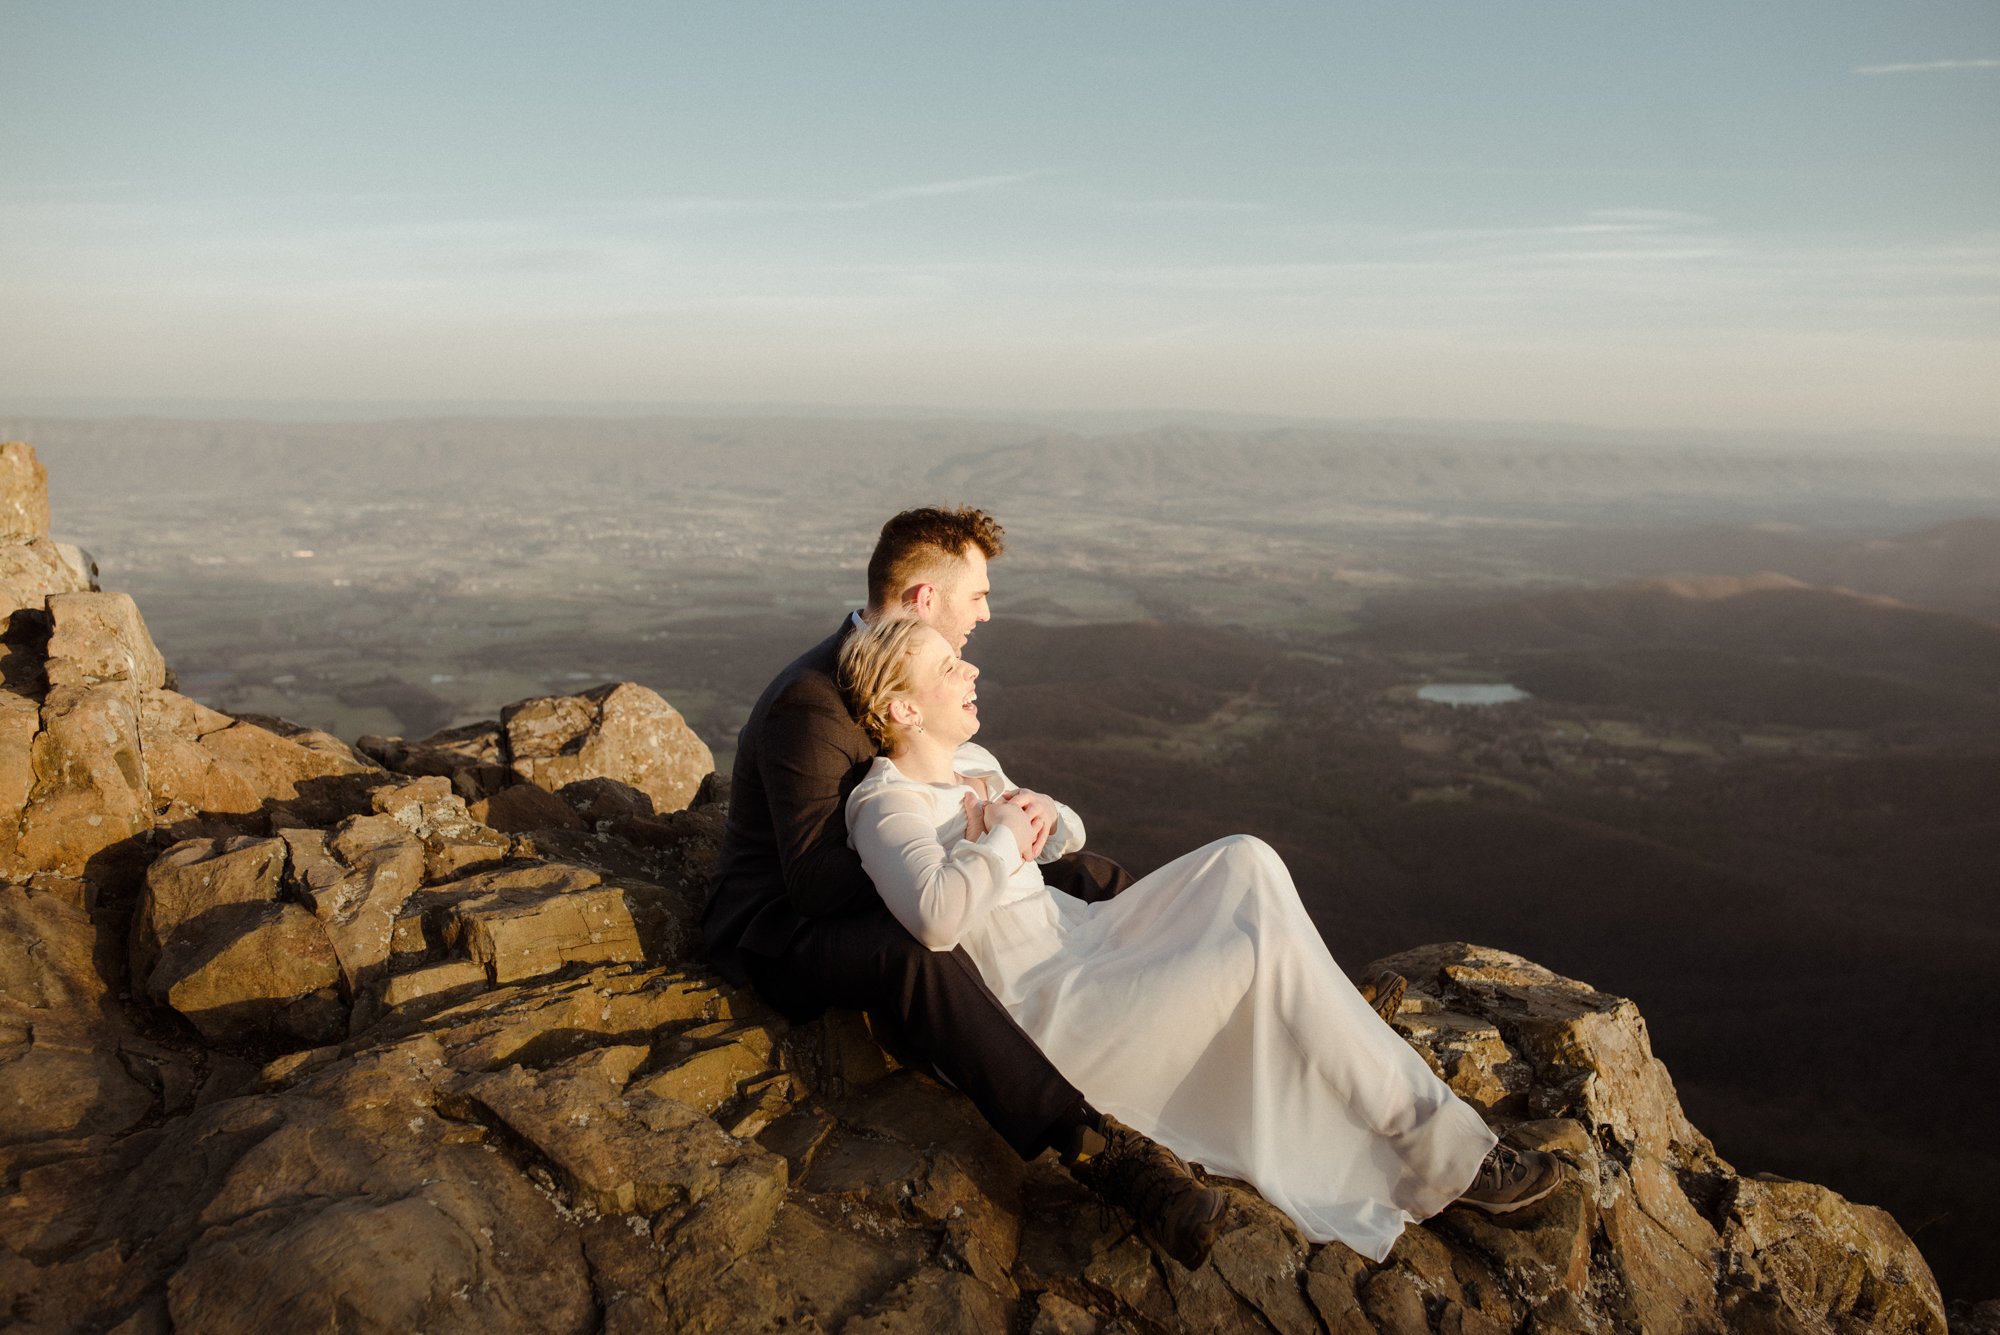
(809, 679)
(804, 700)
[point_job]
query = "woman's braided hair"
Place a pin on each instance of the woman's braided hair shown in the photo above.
(875, 670)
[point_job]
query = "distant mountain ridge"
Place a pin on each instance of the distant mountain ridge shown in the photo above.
(1293, 473)
(1767, 614)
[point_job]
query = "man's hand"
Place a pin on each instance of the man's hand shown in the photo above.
(1041, 814)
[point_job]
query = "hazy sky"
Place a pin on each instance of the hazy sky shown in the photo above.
(1777, 214)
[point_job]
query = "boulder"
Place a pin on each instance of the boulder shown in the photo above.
(188, 781)
(526, 931)
(20, 720)
(1657, 1232)
(253, 973)
(29, 573)
(32, 567)
(623, 1151)
(64, 1063)
(89, 792)
(522, 806)
(605, 799)
(623, 732)
(1830, 1264)
(454, 840)
(24, 494)
(472, 758)
(99, 638)
(356, 881)
(194, 879)
(316, 784)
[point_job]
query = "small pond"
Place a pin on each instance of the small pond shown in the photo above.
(1469, 693)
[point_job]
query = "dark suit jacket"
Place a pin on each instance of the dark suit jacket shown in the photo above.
(784, 849)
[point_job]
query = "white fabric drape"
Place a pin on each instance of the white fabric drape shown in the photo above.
(1200, 1007)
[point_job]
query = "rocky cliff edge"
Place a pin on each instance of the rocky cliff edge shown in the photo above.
(416, 1035)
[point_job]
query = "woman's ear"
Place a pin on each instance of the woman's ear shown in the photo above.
(903, 713)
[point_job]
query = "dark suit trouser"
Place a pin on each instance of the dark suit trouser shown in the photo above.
(936, 1004)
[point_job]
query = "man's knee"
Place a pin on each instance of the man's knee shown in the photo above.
(1088, 876)
(907, 965)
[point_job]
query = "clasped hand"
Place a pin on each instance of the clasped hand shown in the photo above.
(1030, 815)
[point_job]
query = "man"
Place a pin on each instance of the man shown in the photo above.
(792, 912)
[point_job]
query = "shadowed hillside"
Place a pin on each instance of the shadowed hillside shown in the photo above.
(1797, 910)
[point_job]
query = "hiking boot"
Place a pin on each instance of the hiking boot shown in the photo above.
(1511, 1178)
(1149, 1182)
(1384, 993)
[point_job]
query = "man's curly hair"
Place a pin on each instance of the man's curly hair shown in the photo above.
(928, 546)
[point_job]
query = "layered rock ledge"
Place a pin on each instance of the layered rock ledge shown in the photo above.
(415, 1035)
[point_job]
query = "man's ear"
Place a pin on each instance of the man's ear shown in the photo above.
(920, 599)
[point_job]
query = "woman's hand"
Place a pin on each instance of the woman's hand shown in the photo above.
(975, 816)
(1003, 814)
(1040, 811)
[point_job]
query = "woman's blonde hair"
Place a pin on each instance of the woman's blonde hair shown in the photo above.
(875, 670)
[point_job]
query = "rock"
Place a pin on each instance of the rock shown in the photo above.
(1056, 1315)
(194, 879)
(523, 806)
(250, 973)
(624, 732)
(454, 842)
(1261, 1260)
(100, 638)
(190, 783)
(347, 1202)
(32, 567)
(20, 720)
(524, 921)
(556, 1019)
(89, 794)
(443, 753)
(80, 561)
(29, 573)
(1587, 1054)
(320, 786)
(933, 1302)
(710, 1078)
(24, 494)
(1830, 1264)
(432, 987)
(356, 881)
(634, 1152)
(605, 799)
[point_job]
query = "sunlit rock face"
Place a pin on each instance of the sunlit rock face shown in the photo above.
(291, 1039)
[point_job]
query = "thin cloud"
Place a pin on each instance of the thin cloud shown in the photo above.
(1927, 66)
(1656, 217)
(1190, 206)
(968, 185)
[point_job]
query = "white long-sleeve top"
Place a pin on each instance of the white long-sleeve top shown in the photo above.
(940, 885)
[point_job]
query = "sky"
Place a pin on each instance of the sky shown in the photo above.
(1777, 216)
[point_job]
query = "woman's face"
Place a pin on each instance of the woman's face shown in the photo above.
(943, 694)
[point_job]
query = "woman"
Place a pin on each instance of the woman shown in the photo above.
(1239, 1043)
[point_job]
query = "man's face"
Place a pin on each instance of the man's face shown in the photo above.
(961, 604)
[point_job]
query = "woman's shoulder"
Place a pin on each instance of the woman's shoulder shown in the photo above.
(972, 758)
(883, 783)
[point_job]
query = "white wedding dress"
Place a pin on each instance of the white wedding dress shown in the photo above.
(1200, 1007)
